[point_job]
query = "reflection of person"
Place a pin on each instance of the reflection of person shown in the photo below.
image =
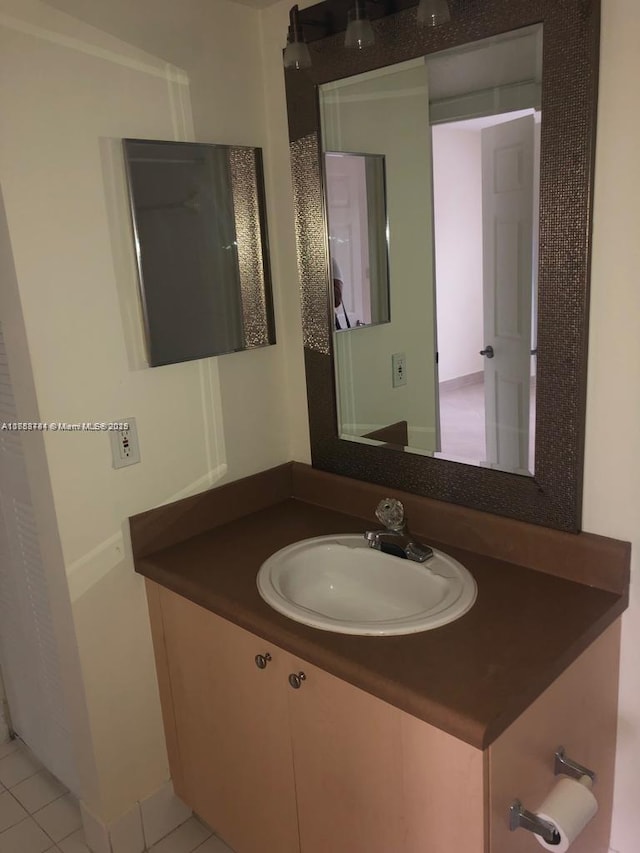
(338, 285)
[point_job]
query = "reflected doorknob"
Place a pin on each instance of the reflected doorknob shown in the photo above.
(488, 351)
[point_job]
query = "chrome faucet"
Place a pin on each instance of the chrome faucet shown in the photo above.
(395, 537)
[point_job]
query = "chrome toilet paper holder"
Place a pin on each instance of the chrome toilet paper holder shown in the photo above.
(563, 766)
(519, 817)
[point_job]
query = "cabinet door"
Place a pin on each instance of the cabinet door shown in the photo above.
(372, 779)
(348, 766)
(233, 746)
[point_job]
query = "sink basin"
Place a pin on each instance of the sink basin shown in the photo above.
(338, 583)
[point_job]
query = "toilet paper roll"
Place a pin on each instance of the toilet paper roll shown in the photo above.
(569, 806)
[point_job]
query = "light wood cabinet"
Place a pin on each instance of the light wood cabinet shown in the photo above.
(328, 767)
(231, 757)
(347, 766)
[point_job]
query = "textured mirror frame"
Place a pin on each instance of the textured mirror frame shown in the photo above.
(553, 497)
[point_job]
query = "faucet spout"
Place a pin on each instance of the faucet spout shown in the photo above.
(395, 537)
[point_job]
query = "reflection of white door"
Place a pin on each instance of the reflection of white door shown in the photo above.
(507, 214)
(349, 234)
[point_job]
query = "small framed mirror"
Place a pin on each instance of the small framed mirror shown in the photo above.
(356, 202)
(201, 245)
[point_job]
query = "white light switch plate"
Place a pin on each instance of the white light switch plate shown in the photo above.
(398, 369)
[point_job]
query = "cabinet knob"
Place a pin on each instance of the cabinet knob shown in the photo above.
(296, 679)
(262, 660)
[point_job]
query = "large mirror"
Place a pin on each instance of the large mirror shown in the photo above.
(488, 251)
(459, 131)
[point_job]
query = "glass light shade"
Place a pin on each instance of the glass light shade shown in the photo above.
(296, 55)
(359, 32)
(432, 13)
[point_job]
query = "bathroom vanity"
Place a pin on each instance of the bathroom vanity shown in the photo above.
(288, 738)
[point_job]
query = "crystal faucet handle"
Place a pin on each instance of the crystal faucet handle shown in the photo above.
(390, 512)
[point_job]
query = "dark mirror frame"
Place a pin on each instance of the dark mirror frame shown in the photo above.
(553, 496)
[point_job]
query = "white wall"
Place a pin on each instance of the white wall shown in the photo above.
(457, 198)
(68, 93)
(294, 415)
(612, 467)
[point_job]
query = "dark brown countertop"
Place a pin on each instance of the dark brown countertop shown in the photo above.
(470, 678)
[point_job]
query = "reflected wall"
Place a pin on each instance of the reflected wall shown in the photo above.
(364, 113)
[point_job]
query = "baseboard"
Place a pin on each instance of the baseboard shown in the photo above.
(138, 829)
(462, 381)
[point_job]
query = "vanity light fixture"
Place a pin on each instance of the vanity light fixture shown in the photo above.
(296, 53)
(432, 13)
(359, 33)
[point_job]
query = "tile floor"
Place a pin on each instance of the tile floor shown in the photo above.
(38, 814)
(462, 424)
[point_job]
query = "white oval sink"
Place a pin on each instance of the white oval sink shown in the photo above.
(338, 583)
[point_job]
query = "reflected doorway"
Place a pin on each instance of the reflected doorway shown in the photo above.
(486, 179)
